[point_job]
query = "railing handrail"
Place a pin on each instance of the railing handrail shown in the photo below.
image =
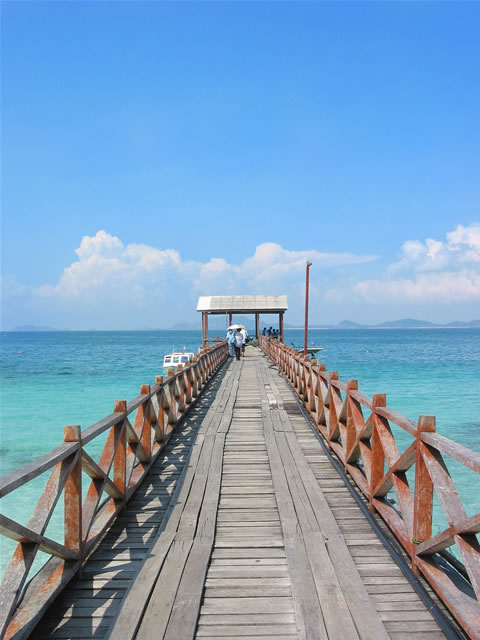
(130, 450)
(370, 454)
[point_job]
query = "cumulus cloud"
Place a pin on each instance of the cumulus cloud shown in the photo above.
(443, 287)
(464, 243)
(460, 246)
(106, 266)
(272, 260)
(440, 271)
(102, 244)
(135, 284)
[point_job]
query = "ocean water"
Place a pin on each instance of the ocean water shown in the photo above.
(50, 379)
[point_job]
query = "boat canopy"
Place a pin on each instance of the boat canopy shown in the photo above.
(174, 359)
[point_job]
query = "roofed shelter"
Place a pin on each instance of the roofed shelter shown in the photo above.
(238, 305)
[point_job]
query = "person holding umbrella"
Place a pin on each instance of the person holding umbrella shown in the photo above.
(231, 341)
(238, 337)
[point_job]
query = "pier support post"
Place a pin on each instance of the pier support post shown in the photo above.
(257, 326)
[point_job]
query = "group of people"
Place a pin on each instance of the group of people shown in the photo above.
(237, 339)
(270, 332)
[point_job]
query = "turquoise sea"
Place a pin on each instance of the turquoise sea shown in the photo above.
(50, 379)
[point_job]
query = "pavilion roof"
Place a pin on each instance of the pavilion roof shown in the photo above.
(242, 304)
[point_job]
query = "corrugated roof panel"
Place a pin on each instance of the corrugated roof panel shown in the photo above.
(245, 304)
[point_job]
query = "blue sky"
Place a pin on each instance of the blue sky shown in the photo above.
(153, 152)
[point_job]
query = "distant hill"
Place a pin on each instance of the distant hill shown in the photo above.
(406, 323)
(473, 324)
(348, 324)
(33, 327)
(218, 324)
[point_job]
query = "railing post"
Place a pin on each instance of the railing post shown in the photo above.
(73, 495)
(144, 422)
(172, 401)
(187, 379)
(120, 457)
(332, 426)
(161, 410)
(194, 377)
(423, 499)
(180, 392)
(312, 387)
(352, 385)
(377, 464)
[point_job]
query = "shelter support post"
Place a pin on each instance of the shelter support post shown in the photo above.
(280, 325)
(230, 319)
(204, 329)
(257, 325)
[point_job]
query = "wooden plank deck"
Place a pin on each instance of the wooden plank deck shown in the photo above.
(244, 530)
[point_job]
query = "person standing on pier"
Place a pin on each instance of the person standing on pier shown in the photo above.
(231, 342)
(245, 340)
(238, 343)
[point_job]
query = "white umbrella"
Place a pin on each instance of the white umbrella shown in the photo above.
(233, 327)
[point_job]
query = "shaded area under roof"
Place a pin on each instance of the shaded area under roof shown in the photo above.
(242, 304)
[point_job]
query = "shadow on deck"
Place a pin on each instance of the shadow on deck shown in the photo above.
(243, 529)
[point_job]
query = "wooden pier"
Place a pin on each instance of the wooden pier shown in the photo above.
(243, 526)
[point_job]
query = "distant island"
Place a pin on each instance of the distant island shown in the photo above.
(33, 327)
(406, 323)
(217, 324)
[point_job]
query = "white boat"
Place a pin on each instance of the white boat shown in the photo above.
(310, 350)
(172, 360)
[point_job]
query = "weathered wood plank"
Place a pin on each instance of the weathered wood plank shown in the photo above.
(247, 630)
(310, 621)
(250, 563)
(335, 611)
(185, 611)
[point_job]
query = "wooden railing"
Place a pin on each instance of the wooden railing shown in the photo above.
(136, 432)
(358, 429)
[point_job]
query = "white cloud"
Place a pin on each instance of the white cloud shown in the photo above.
(460, 246)
(148, 259)
(464, 242)
(106, 267)
(431, 271)
(112, 284)
(443, 287)
(270, 259)
(101, 244)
